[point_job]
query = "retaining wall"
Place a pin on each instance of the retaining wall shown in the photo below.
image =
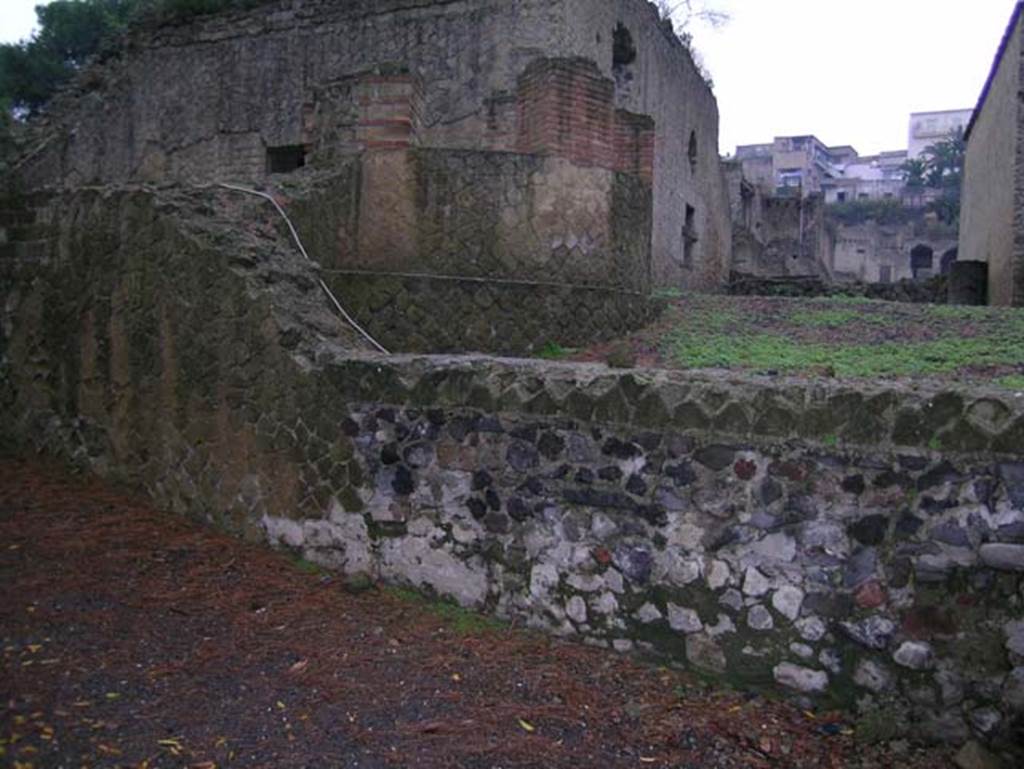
(860, 545)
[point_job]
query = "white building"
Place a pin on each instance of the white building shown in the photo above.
(927, 128)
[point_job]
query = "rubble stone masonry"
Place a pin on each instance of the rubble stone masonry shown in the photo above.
(861, 545)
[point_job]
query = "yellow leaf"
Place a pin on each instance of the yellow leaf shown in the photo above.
(647, 760)
(34, 647)
(527, 726)
(280, 705)
(113, 695)
(810, 715)
(456, 677)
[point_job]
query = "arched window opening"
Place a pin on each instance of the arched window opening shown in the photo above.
(922, 261)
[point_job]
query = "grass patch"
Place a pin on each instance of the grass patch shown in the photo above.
(307, 567)
(553, 351)
(768, 352)
(825, 318)
(460, 620)
(1012, 382)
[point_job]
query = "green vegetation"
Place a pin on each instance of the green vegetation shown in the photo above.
(763, 352)
(553, 351)
(71, 32)
(461, 621)
(307, 567)
(1012, 382)
(824, 318)
(854, 212)
(846, 339)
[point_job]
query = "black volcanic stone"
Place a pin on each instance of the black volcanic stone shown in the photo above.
(611, 473)
(681, 474)
(653, 514)
(870, 530)
(518, 509)
(636, 485)
(477, 507)
(389, 454)
(613, 447)
(403, 483)
(522, 456)
(854, 484)
(585, 475)
(482, 480)
(715, 457)
(551, 445)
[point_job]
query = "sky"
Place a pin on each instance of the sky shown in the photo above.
(848, 71)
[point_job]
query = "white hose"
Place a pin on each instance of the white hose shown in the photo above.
(348, 318)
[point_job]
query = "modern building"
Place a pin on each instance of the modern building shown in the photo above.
(927, 128)
(992, 207)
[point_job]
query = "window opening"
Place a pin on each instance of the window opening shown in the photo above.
(691, 152)
(689, 235)
(282, 160)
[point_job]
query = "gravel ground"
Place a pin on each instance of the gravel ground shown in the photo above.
(133, 638)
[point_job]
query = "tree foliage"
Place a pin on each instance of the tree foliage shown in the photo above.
(681, 15)
(944, 171)
(72, 31)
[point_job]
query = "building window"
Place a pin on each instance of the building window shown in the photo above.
(691, 152)
(623, 47)
(841, 197)
(689, 236)
(885, 274)
(922, 261)
(282, 160)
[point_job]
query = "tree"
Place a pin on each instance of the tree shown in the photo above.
(70, 31)
(944, 171)
(686, 12)
(914, 172)
(681, 15)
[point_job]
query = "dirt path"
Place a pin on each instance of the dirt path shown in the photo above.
(131, 638)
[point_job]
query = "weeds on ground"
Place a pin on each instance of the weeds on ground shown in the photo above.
(769, 352)
(461, 621)
(553, 351)
(1012, 382)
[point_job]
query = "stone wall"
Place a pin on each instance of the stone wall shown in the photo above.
(992, 217)
(212, 99)
(779, 236)
(484, 251)
(881, 253)
(859, 544)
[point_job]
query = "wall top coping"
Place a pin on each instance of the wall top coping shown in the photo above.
(888, 415)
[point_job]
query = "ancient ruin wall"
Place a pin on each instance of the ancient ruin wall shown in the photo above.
(663, 83)
(862, 545)
(992, 217)
(205, 100)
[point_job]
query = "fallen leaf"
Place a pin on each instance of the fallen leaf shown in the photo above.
(299, 666)
(527, 726)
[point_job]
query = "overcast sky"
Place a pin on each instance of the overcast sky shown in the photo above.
(848, 71)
